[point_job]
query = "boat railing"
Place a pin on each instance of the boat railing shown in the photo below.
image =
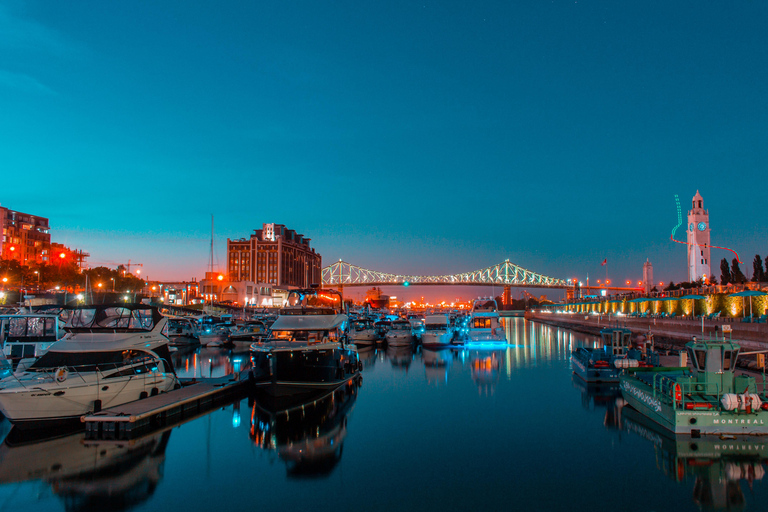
(677, 394)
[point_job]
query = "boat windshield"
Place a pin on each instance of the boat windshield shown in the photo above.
(729, 360)
(89, 361)
(111, 317)
(484, 305)
(305, 336)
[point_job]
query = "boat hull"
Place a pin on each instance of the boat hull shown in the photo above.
(56, 401)
(436, 338)
(288, 372)
(661, 409)
(588, 373)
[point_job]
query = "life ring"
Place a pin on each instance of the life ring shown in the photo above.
(61, 374)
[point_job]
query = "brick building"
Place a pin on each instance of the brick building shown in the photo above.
(26, 238)
(274, 255)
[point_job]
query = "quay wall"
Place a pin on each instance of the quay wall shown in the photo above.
(673, 331)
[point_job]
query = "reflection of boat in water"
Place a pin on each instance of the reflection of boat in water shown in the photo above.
(485, 366)
(717, 463)
(367, 356)
(400, 357)
(605, 395)
(308, 436)
(87, 475)
(437, 363)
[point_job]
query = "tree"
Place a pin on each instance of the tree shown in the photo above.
(712, 280)
(758, 274)
(725, 272)
(671, 286)
(736, 275)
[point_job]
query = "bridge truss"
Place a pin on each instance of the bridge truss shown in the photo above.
(342, 273)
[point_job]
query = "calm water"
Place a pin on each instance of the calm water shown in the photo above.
(431, 430)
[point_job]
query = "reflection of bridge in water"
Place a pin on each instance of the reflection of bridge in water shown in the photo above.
(505, 274)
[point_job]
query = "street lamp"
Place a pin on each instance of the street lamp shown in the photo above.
(113, 283)
(38, 279)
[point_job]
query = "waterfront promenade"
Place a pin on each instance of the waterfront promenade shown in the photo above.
(676, 330)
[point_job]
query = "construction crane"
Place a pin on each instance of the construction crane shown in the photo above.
(128, 266)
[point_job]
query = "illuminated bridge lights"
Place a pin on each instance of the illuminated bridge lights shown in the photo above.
(342, 273)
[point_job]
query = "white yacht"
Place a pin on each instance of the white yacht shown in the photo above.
(437, 331)
(111, 354)
(362, 333)
(399, 334)
(183, 330)
(484, 324)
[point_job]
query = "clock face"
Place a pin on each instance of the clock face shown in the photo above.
(702, 226)
(691, 226)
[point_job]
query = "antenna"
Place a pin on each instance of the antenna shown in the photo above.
(211, 243)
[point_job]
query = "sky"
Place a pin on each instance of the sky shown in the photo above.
(407, 137)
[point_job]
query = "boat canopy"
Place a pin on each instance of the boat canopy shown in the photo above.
(308, 322)
(112, 317)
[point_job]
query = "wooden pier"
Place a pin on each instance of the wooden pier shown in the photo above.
(153, 413)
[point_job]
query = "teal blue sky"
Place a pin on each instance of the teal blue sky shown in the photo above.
(411, 137)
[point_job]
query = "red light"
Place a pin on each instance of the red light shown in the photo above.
(13, 248)
(62, 255)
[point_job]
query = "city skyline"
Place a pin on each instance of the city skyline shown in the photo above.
(407, 138)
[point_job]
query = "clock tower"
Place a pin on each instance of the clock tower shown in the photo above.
(698, 241)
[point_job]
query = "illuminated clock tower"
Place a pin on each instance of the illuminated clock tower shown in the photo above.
(698, 241)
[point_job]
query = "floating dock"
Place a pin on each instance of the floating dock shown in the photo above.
(155, 412)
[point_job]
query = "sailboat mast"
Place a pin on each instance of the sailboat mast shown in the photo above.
(211, 243)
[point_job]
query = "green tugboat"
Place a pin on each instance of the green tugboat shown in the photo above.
(603, 364)
(708, 398)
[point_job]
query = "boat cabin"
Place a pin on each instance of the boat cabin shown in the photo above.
(616, 341)
(29, 335)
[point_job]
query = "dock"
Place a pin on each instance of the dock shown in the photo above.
(156, 412)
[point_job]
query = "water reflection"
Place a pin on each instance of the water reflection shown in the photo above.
(437, 364)
(602, 396)
(400, 357)
(208, 362)
(720, 466)
(308, 437)
(87, 475)
(531, 342)
(485, 366)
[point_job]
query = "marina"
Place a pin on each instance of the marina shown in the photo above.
(507, 443)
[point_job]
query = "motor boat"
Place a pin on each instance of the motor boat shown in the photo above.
(438, 331)
(183, 330)
(382, 327)
(399, 334)
(248, 332)
(214, 335)
(111, 355)
(307, 348)
(362, 332)
(484, 324)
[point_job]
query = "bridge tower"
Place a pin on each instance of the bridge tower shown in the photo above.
(506, 297)
(698, 241)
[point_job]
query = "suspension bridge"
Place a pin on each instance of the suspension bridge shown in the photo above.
(504, 274)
